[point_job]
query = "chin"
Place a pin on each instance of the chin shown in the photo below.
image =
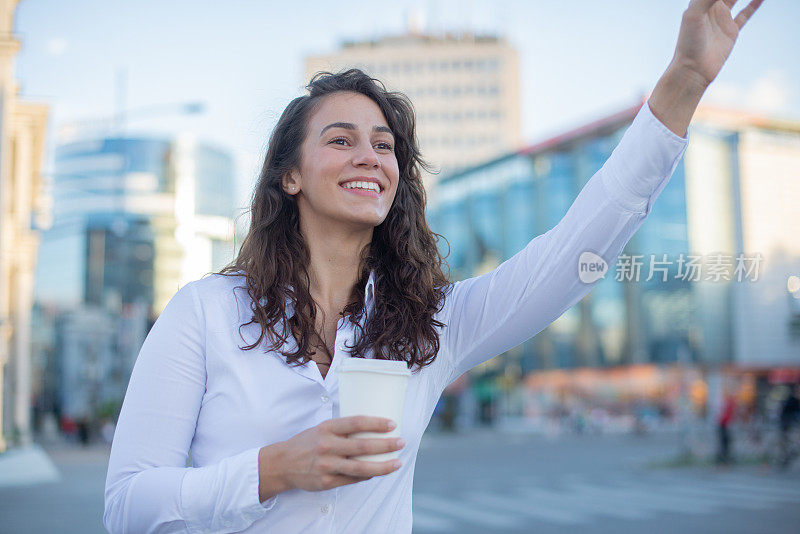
(370, 223)
(367, 219)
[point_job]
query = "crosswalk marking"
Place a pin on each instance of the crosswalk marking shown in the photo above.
(573, 500)
(636, 498)
(460, 510)
(528, 507)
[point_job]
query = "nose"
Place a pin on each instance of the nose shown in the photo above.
(366, 157)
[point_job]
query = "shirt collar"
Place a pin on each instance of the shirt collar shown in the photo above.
(369, 291)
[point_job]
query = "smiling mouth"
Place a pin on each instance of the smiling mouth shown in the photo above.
(356, 186)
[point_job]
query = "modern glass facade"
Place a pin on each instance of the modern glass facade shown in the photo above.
(133, 220)
(490, 212)
(117, 207)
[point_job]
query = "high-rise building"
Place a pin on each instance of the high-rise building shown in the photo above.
(465, 90)
(134, 220)
(22, 210)
(712, 275)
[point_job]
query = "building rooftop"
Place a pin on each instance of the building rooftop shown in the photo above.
(423, 38)
(716, 115)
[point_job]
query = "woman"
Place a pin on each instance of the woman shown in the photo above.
(339, 262)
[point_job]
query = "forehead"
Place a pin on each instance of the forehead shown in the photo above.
(347, 107)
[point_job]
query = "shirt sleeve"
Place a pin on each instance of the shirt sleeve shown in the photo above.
(490, 314)
(148, 488)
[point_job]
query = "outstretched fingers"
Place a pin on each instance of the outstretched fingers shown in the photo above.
(745, 14)
(705, 5)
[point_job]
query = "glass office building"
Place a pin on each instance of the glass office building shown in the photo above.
(489, 212)
(710, 279)
(133, 220)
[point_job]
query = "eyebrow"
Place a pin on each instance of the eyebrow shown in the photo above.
(351, 126)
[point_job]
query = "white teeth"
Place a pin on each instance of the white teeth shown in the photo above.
(369, 186)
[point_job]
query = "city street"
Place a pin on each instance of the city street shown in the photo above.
(595, 484)
(483, 481)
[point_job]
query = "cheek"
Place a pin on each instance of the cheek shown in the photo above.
(395, 174)
(391, 200)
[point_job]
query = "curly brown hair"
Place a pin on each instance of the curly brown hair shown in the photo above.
(409, 282)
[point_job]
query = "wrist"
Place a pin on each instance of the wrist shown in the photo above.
(684, 72)
(271, 480)
(676, 96)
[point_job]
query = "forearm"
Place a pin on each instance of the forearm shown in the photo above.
(270, 480)
(676, 96)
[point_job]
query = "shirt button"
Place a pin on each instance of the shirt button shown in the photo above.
(326, 509)
(324, 398)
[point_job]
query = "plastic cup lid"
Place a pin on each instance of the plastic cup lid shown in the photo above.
(394, 367)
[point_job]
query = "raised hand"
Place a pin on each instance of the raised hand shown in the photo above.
(707, 35)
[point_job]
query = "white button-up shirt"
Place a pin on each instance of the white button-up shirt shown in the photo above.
(193, 388)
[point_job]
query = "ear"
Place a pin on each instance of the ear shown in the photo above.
(291, 183)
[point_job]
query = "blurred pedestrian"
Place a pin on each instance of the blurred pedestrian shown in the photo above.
(789, 414)
(69, 429)
(83, 431)
(724, 421)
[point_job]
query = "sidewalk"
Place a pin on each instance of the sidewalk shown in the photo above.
(26, 466)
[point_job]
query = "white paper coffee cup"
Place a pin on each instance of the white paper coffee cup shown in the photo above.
(375, 388)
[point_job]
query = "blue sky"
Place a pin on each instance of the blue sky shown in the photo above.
(579, 59)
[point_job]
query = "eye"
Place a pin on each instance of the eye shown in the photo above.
(336, 140)
(384, 146)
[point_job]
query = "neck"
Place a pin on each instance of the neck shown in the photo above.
(335, 262)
